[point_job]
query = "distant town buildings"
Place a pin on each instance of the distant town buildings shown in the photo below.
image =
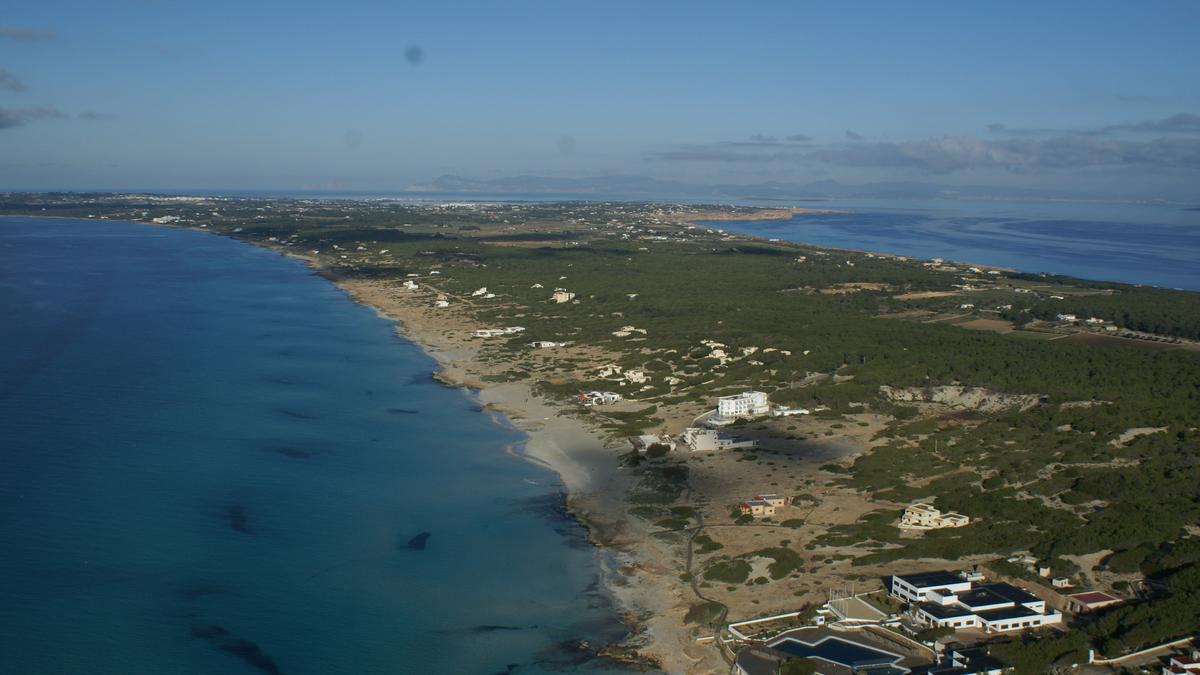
(922, 516)
(497, 332)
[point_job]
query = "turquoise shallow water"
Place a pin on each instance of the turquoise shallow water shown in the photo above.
(212, 461)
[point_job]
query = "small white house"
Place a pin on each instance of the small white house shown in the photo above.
(562, 295)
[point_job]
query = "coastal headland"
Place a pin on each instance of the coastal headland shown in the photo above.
(1052, 412)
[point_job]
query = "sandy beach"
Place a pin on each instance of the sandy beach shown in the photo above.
(647, 592)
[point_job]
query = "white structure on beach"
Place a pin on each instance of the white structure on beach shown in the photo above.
(642, 443)
(922, 516)
(784, 411)
(699, 440)
(745, 404)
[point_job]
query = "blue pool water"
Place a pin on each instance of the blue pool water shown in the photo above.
(212, 461)
(1156, 245)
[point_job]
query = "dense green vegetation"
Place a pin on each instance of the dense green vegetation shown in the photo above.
(1151, 310)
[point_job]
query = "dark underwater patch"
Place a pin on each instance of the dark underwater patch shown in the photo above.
(238, 520)
(418, 542)
(200, 590)
(294, 453)
(284, 381)
(295, 414)
(221, 638)
(402, 411)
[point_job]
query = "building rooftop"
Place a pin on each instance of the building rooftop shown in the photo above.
(1093, 597)
(931, 579)
(1006, 613)
(1017, 595)
(982, 597)
(945, 611)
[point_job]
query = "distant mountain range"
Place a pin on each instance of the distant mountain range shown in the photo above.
(643, 186)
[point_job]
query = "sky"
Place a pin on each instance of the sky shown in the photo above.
(1095, 98)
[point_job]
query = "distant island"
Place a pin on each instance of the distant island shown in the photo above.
(772, 430)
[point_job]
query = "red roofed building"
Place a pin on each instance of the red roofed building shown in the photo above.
(1090, 601)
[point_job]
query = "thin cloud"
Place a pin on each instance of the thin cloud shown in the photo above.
(798, 138)
(25, 34)
(10, 82)
(853, 135)
(96, 116)
(15, 117)
(722, 154)
(955, 153)
(1179, 123)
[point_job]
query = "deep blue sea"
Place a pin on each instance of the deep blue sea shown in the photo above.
(1156, 245)
(212, 461)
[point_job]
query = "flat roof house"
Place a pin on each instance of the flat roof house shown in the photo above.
(922, 516)
(1089, 601)
(757, 508)
(915, 587)
(772, 499)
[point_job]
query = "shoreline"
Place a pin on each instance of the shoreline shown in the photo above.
(593, 486)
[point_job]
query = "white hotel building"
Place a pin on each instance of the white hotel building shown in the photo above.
(745, 404)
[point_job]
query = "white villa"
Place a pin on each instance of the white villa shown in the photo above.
(745, 404)
(562, 295)
(946, 600)
(599, 398)
(922, 516)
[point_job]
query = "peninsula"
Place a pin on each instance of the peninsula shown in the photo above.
(771, 430)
